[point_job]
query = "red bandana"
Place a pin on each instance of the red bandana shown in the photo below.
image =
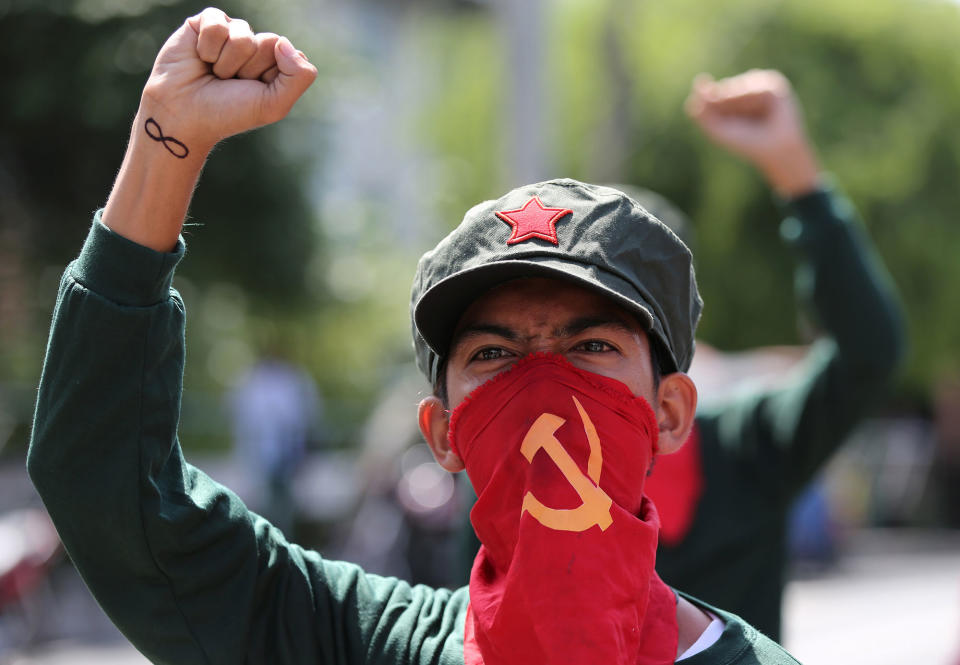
(558, 457)
(675, 486)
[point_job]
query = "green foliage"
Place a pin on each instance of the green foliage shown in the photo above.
(880, 84)
(879, 81)
(71, 111)
(75, 72)
(461, 121)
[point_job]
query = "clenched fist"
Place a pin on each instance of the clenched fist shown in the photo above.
(756, 115)
(215, 77)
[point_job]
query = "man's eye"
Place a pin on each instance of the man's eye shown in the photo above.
(594, 346)
(491, 353)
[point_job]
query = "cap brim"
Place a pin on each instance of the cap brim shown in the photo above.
(439, 309)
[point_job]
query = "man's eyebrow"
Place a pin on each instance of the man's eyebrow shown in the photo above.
(583, 323)
(570, 329)
(483, 329)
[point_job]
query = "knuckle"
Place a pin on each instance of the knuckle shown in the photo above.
(777, 78)
(245, 45)
(215, 32)
(265, 41)
(240, 29)
(213, 14)
(153, 90)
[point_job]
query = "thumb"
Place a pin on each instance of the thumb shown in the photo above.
(294, 76)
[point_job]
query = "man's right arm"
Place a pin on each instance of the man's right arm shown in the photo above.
(176, 560)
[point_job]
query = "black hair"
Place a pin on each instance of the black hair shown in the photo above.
(657, 354)
(440, 383)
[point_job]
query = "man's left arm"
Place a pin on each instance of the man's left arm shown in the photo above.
(757, 116)
(852, 300)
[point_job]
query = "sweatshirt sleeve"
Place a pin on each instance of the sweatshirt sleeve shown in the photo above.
(176, 560)
(793, 429)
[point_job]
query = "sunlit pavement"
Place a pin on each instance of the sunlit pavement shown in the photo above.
(75, 654)
(894, 599)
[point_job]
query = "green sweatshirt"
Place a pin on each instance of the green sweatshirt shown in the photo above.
(176, 560)
(760, 450)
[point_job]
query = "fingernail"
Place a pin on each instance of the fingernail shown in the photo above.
(286, 47)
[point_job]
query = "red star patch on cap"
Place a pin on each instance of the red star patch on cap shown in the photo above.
(533, 220)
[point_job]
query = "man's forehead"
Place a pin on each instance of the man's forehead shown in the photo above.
(552, 306)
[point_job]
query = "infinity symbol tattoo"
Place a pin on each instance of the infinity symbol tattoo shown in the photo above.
(175, 147)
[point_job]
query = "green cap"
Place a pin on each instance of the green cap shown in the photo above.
(663, 209)
(593, 236)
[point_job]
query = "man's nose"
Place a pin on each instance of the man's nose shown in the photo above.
(544, 345)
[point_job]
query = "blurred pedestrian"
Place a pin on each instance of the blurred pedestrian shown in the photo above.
(945, 470)
(275, 410)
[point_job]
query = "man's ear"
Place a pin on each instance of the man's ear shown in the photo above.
(434, 422)
(676, 407)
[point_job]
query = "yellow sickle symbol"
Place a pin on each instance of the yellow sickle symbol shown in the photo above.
(595, 506)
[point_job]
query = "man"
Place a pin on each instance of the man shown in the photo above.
(560, 318)
(724, 498)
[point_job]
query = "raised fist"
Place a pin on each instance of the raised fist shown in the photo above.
(214, 77)
(757, 116)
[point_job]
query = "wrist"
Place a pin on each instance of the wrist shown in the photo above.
(169, 130)
(792, 172)
(153, 188)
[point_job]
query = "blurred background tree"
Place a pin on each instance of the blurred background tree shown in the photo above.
(880, 85)
(77, 71)
(71, 109)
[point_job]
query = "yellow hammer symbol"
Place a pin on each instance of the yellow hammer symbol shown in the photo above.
(595, 506)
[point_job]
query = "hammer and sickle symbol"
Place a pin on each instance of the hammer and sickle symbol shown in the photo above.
(595, 506)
